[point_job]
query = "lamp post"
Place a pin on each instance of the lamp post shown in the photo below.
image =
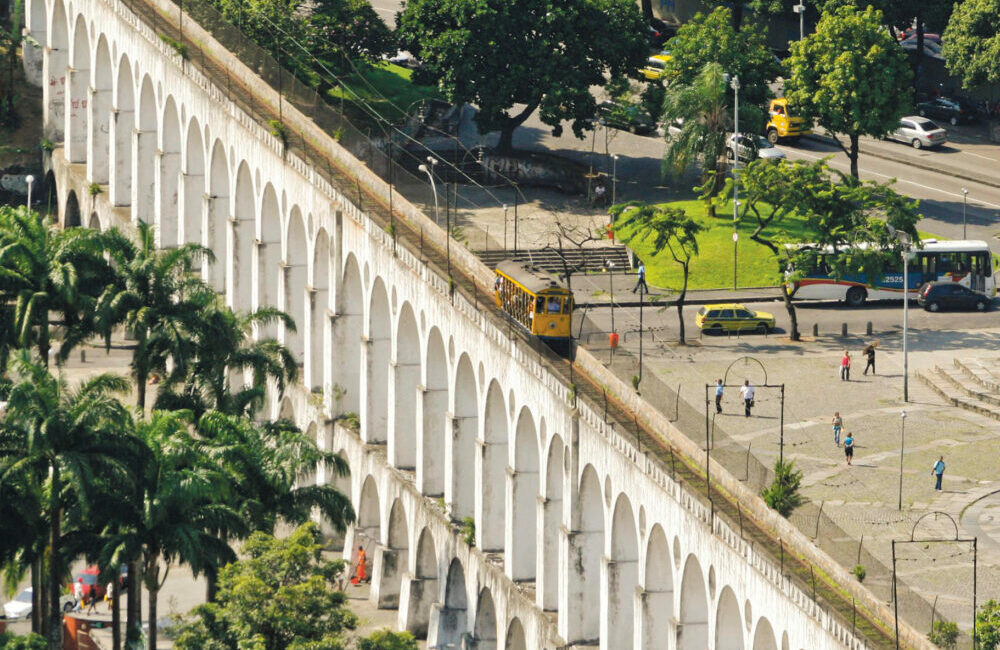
(426, 170)
(800, 9)
(611, 279)
(905, 238)
(30, 180)
(505, 227)
(902, 443)
(965, 201)
(735, 84)
(614, 176)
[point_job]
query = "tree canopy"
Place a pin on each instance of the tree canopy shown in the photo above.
(851, 76)
(512, 57)
(971, 42)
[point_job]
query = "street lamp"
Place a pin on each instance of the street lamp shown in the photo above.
(904, 239)
(426, 170)
(611, 279)
(31, 181)
(614, 176)
(800, 9)
(902, 442)
(965, 201)
(505, 227)
(735, 85)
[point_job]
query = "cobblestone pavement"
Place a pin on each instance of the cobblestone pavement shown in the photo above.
(852, 507)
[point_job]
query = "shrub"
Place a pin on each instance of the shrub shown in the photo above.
(469, 531)
(783, 494)
(859, 572)
(388, 640)
(944, 634)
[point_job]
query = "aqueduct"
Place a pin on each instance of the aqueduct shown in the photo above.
(580, 540)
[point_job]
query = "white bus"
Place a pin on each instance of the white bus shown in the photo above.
(967, 262)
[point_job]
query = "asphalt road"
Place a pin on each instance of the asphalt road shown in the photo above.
(885, 317)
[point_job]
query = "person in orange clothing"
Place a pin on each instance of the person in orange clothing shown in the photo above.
(360, 573)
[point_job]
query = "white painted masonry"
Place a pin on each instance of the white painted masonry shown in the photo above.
(580, 539)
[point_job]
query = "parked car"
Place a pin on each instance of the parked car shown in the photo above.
(655, 67)
(752, 147)
(919, 132)
(935, 296)
(20, 607)
(733, 317)
(945, 108)
(627, 117)
(911, 34)
(931, 48)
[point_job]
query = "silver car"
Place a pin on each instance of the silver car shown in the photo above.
(753, 149)
(919, 132)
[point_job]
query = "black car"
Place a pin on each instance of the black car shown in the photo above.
(627, 117)
(945, 108)
(658, 33)
(935, 296)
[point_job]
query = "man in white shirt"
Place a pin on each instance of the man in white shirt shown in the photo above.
(746, 392)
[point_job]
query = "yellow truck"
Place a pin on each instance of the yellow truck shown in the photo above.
(782, 123)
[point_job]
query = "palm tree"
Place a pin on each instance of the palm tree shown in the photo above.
(44, 271)
(267, 464)
(156, 297)
(223, 346)
(185, 496)
(72, 436)
(702, 111)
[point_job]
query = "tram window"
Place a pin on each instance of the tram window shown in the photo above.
(568, 306)
(540, 304)
(554, 305)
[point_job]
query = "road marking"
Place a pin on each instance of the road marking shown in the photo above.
(969, 153)
(903, 180)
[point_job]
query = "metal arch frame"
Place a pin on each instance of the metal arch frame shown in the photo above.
(934, 540)
(725, 376)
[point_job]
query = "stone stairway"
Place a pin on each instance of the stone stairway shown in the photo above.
(972, 384)
(588, 260)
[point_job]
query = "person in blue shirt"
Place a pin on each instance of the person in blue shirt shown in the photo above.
(641, 282)
(849, 447)
(718, 395)
(938, 471)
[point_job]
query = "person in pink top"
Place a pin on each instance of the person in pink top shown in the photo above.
(845, 366)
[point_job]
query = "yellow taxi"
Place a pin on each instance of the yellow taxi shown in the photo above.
(655, 67)
(733, 317)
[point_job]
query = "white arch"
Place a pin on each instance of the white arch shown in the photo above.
(294, 276)
(374, 420)
(405, 381)
(319, 310)
(167, 227)
(584, 622)
(192, 228)
(460, 465)
(123, 126)
(515, 636)
(623, 573)
(552, 519)
(269, 257)
(348, 329)
(368, 529)
(430, 451)
(394, 558)
(522, 537)
(694, 608)
(491, 495)
(144, 190)
(55, 72)
(101, 101)
(244, 234)
(452, 621)
(216, 235)
(763, 637)
(423, 587)
(658, 582)
(485, 629)
(77, 98)
(728, 622)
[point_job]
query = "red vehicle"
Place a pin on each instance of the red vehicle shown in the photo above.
(92, 587)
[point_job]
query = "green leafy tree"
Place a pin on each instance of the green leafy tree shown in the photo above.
(783, 493)
(184, 500)
(851, 77)
(222, 348)
(282, 596)
(46, 271)
(988, 625)
(672, 231)
(11, 641)
(342, 30)
(513, 57)
(741, 52)
(702, 110)
(971, 43)
(69, 436)
(388, 640)
(766, 194)
(944, 634)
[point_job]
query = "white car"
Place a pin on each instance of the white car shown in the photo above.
(919, 132)
(20, 607)
(750, 150)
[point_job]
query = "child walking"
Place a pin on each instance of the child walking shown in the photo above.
(838, 424)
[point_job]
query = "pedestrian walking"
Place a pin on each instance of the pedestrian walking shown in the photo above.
(109, 595)
(641, 282)
(849, 447)
(360, 572)
(92, 601)
(869, 353)
(718, 395)
(746, 392)
(938, 471)
(78, 594)
(845, 366)
(838, 424)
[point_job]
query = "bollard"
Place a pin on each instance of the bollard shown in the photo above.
(83, 356)
(815, 329)
(843, 329)
(868, 329)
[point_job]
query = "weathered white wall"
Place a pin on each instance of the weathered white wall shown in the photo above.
(613, 551)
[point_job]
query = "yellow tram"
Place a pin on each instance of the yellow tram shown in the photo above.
(537, 301)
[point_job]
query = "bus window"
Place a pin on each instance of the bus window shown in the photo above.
(944, 264)
(984, 264)
(553, 306)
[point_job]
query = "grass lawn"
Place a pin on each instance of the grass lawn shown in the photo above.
(386, 88)
(712, 268)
